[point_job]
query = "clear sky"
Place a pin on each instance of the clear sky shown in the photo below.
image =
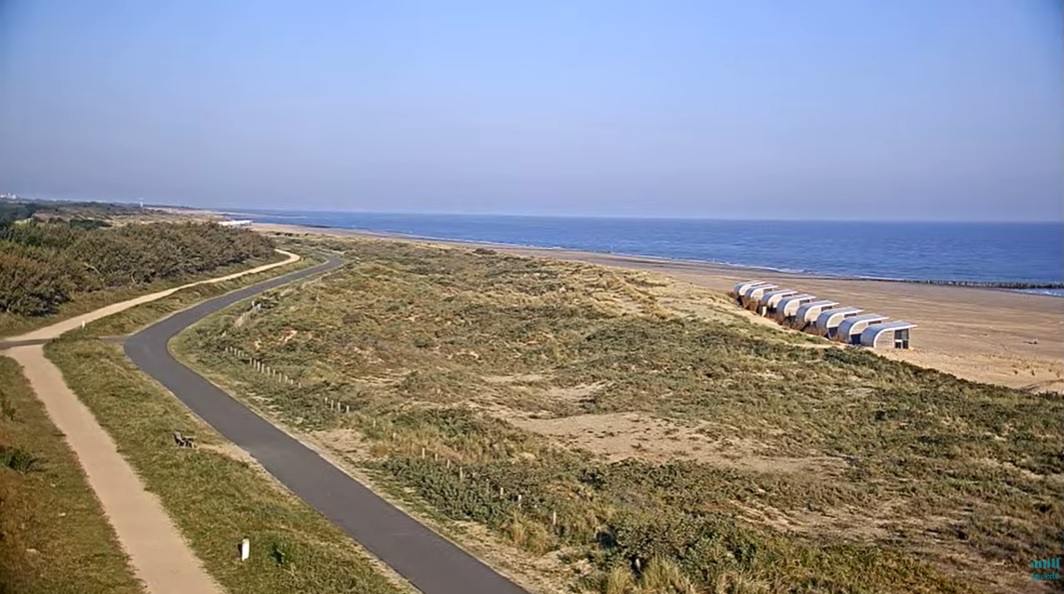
(901, 109)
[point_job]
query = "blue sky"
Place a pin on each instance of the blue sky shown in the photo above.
(909, 109)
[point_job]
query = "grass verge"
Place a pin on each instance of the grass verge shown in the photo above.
(54, 536)
(216, 495)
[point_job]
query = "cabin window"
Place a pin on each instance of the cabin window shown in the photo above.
(901, 339)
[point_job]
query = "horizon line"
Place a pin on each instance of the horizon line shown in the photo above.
(255, 210)
(260, 210)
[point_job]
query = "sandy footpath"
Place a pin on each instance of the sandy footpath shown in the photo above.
(987, 335)
(159, 555)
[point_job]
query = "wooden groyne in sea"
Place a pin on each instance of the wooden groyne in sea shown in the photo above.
(976, 284)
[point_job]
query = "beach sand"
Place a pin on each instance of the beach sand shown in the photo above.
(985, 335)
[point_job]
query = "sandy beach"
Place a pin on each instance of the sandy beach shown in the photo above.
(986, 335)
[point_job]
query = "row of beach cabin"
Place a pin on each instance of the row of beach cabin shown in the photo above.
(823, 317)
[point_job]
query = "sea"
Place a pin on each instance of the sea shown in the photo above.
(968, 252)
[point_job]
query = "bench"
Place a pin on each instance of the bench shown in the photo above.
(184, 441)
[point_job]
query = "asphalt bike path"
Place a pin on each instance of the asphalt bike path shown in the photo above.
(430, 562)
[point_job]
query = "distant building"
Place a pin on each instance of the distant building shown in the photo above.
(895, 334)
(752, 296)
(805, 312)
(237, 223)
(808, 313)
(827, 322)
(771, 299)
(788, 306)
(851, 328)
(740, 289)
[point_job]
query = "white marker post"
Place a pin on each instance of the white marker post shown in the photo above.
(245, 549)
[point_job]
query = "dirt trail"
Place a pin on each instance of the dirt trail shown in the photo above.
(158, 553)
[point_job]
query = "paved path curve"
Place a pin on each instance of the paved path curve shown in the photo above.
(158, 554)
(431, 563)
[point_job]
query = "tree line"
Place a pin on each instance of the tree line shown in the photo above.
(16, 211)
(45, 264)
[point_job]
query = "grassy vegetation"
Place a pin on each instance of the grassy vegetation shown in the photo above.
(214, 494)
(54, 537)
(140, 316)
(11, 324)
(23, 210)
(922, 482)
(62, 259)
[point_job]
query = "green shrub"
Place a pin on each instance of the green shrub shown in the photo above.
(17, 459)
(45, 264)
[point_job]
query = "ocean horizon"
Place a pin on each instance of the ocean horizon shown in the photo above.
(1029, 253)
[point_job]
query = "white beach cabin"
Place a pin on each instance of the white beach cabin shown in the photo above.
(771, 299)
(753, 293)
(829, 320)
(895, 334)
(740, 289)
(743, 286)
(808, 313)
(788, 306)
(851, 328)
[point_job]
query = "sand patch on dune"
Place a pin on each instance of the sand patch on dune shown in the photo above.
(617, 436)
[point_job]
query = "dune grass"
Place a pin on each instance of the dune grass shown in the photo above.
(215, 494)
(927, 483)
(54, 536)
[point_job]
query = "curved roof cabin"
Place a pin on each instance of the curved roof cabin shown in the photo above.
(808, 312)
(828, 321)
(772, 299)
(741, 288)
(890, 333)
(788, 306)
(850, 329)
(753, 293)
